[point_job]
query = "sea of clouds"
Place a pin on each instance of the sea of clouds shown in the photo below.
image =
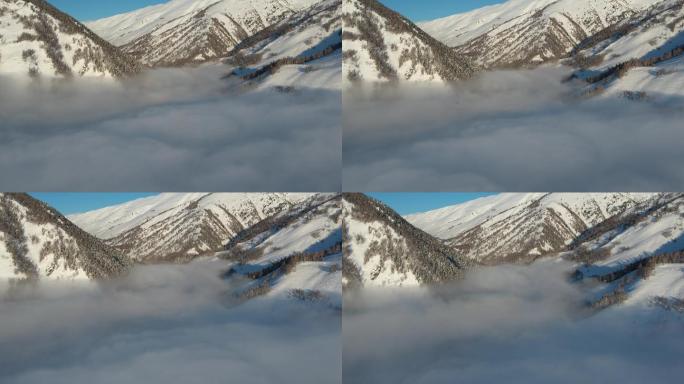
(512, 131)
(507, 324)
(169, 129)
(163, 324)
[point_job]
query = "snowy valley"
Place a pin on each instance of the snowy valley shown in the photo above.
(173, 276)
(566, 95)
(239, 77)
(546, 280)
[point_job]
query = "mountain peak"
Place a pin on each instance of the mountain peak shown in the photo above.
(522, 227)
(381, 45)
(382, 248)
(36, 241)
(185, 31)
(521, 33)
(39, 40)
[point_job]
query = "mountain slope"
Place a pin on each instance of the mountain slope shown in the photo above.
(302, 50)
(192, 31)
(38, 242)
(638, 255)
(641, 55)
(297, 252)
(178, 227)
(381, 45)
(522, 227)
(37, 39)
(530, 32)
(381, 248)
(652, 228)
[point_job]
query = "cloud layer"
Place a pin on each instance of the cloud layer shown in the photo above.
(163, 324)
(512, 131)
(168, 129)
(504, 324)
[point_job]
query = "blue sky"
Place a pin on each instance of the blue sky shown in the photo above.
(433, 9)
(408, 203)
(404, 203)
(86, 10)
(68, 203)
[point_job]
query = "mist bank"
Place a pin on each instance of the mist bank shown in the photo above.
(516, 324)
(509, 130)
(163, 324)
(170, 129)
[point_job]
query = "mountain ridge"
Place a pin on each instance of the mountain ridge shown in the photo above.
(521, 33)
(179, 227)
(39, 40)
(209, 28)
(36, 241)
(382, 45)
(381, 248)
(522, 227)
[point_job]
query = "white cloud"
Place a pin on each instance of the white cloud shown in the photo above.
(512, 131)
(168, 129)
(513, 324)
(163, 324)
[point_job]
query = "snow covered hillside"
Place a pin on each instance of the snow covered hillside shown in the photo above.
(191, 31)
(625, 48)
(383, 249)
(297, 253)
(521, 227)
(530, 32)
(38, 242)
(639, 58)
(38, 40)
(381, 45)
(639, 255)
(177, 227)
(302, 50)
(633, 244)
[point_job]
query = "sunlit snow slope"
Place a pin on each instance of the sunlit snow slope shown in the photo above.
(383, 249)
(38, 40)
(187, 31)
(178, 227)
(381, 45)
(36, 241)
(521, 227)
(303, 50)
(296, 253)
(529, 32)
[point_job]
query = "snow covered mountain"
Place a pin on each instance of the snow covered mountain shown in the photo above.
(297, 252)
(522, 33)
(381, 248)
(302, 50)
(192, 31)
(652, 228)
(38, 242)
(631, 246)
(639, 254)
(640, 57)
(177, 227)
(381, 45)
(522, 227)
(37, 39)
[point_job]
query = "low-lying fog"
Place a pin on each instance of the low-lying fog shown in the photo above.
(170, 129)
(163, 324)
(512, 131)
(508, 324)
